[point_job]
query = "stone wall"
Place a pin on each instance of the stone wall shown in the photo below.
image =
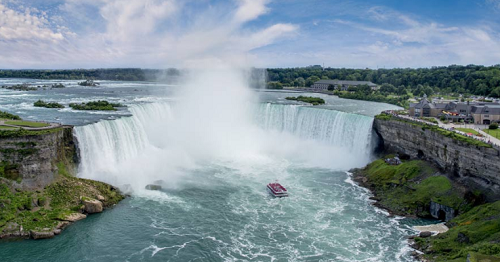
(476, 167)
(31, 161)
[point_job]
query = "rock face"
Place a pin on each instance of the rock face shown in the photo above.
(474, 166)
(31, 160)
(41, 235)
(442, 212)
(92, 206)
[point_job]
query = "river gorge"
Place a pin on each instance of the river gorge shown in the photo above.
(213, 153)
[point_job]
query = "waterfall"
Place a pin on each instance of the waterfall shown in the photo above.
(333, 127)
(153, 140)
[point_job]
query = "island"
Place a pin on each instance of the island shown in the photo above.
(88, 82)
(101, 105)
(307, 99)
(41, 103)
(39, 203)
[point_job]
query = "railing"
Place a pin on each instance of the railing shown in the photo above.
(394, 113)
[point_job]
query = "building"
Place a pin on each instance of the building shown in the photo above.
(476, 112)
(486, 114)
(341, 84)
(426, 108)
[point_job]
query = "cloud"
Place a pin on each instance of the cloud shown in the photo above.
(17, 26)
(250, 9)
(146, 33)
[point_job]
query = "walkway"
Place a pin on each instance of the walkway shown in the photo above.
(50, 125)
(451, 127)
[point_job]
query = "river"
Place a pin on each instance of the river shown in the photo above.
(213, 156)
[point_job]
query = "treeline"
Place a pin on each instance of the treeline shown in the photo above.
(471, 79)
(117, 74)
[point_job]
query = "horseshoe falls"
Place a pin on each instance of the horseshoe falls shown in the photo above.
(213, 205)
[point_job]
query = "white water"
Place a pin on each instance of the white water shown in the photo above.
(154, 143)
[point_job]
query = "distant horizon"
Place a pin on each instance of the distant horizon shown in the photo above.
(180, 68)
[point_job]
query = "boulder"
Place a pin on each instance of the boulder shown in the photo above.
(153, 187)
(41, 235)
(57, 231)
(425, 234)
(100, 198)
(92, 206)
(63, 224)
(75, 217)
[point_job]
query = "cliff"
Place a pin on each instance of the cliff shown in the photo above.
(39, 194)
(30, 158)
(469, 162)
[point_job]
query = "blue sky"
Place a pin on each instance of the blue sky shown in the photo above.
(262, 33)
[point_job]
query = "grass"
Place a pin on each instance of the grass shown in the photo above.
(408, 188)
(493, 132)
(468, 130)
(55, 201)
(433, 128)
(23, 132)
(7, 127)
(476, 232)
(26, 123)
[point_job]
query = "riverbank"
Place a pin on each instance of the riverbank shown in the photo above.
(39, 193)
(416, 188)
(44, 213)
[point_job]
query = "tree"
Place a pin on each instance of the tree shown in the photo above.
(493, 126)
(331, 87)
(495, 92)
(311, 80)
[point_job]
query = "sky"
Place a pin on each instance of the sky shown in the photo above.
(57, 34)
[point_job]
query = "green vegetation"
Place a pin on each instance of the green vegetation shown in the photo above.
(430, 119)
(23, 87)
(476, 232)
(469, 130)
(433, 128)
(43, 209)
(408, 188)
(7, 127)
(26, 123)
(96, 105)
(24, 132)
(88, 82)
(493, 126)
(120, 74)
(41, 103)
(493, 132)
(367, 94)
(454, 79)
(5, 115)
(274, 85)
(308, 99)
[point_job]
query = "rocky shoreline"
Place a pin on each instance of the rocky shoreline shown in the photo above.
(413, 188)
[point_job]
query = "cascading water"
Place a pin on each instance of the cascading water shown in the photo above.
(312, 135)
(340, 129)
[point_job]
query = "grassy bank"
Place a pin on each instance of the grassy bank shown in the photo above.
(475, 233)
(43, 210)
(408, 188)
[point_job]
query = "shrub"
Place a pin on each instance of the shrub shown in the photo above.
(6, 115)
(493, 126)
(41, 103)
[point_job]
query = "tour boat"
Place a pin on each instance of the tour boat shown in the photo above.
(277, 190)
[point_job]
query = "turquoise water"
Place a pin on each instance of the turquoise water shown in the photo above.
(214, 205)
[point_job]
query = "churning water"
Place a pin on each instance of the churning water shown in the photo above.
(214, 206)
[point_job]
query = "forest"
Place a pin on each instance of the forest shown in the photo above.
(470, 79)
